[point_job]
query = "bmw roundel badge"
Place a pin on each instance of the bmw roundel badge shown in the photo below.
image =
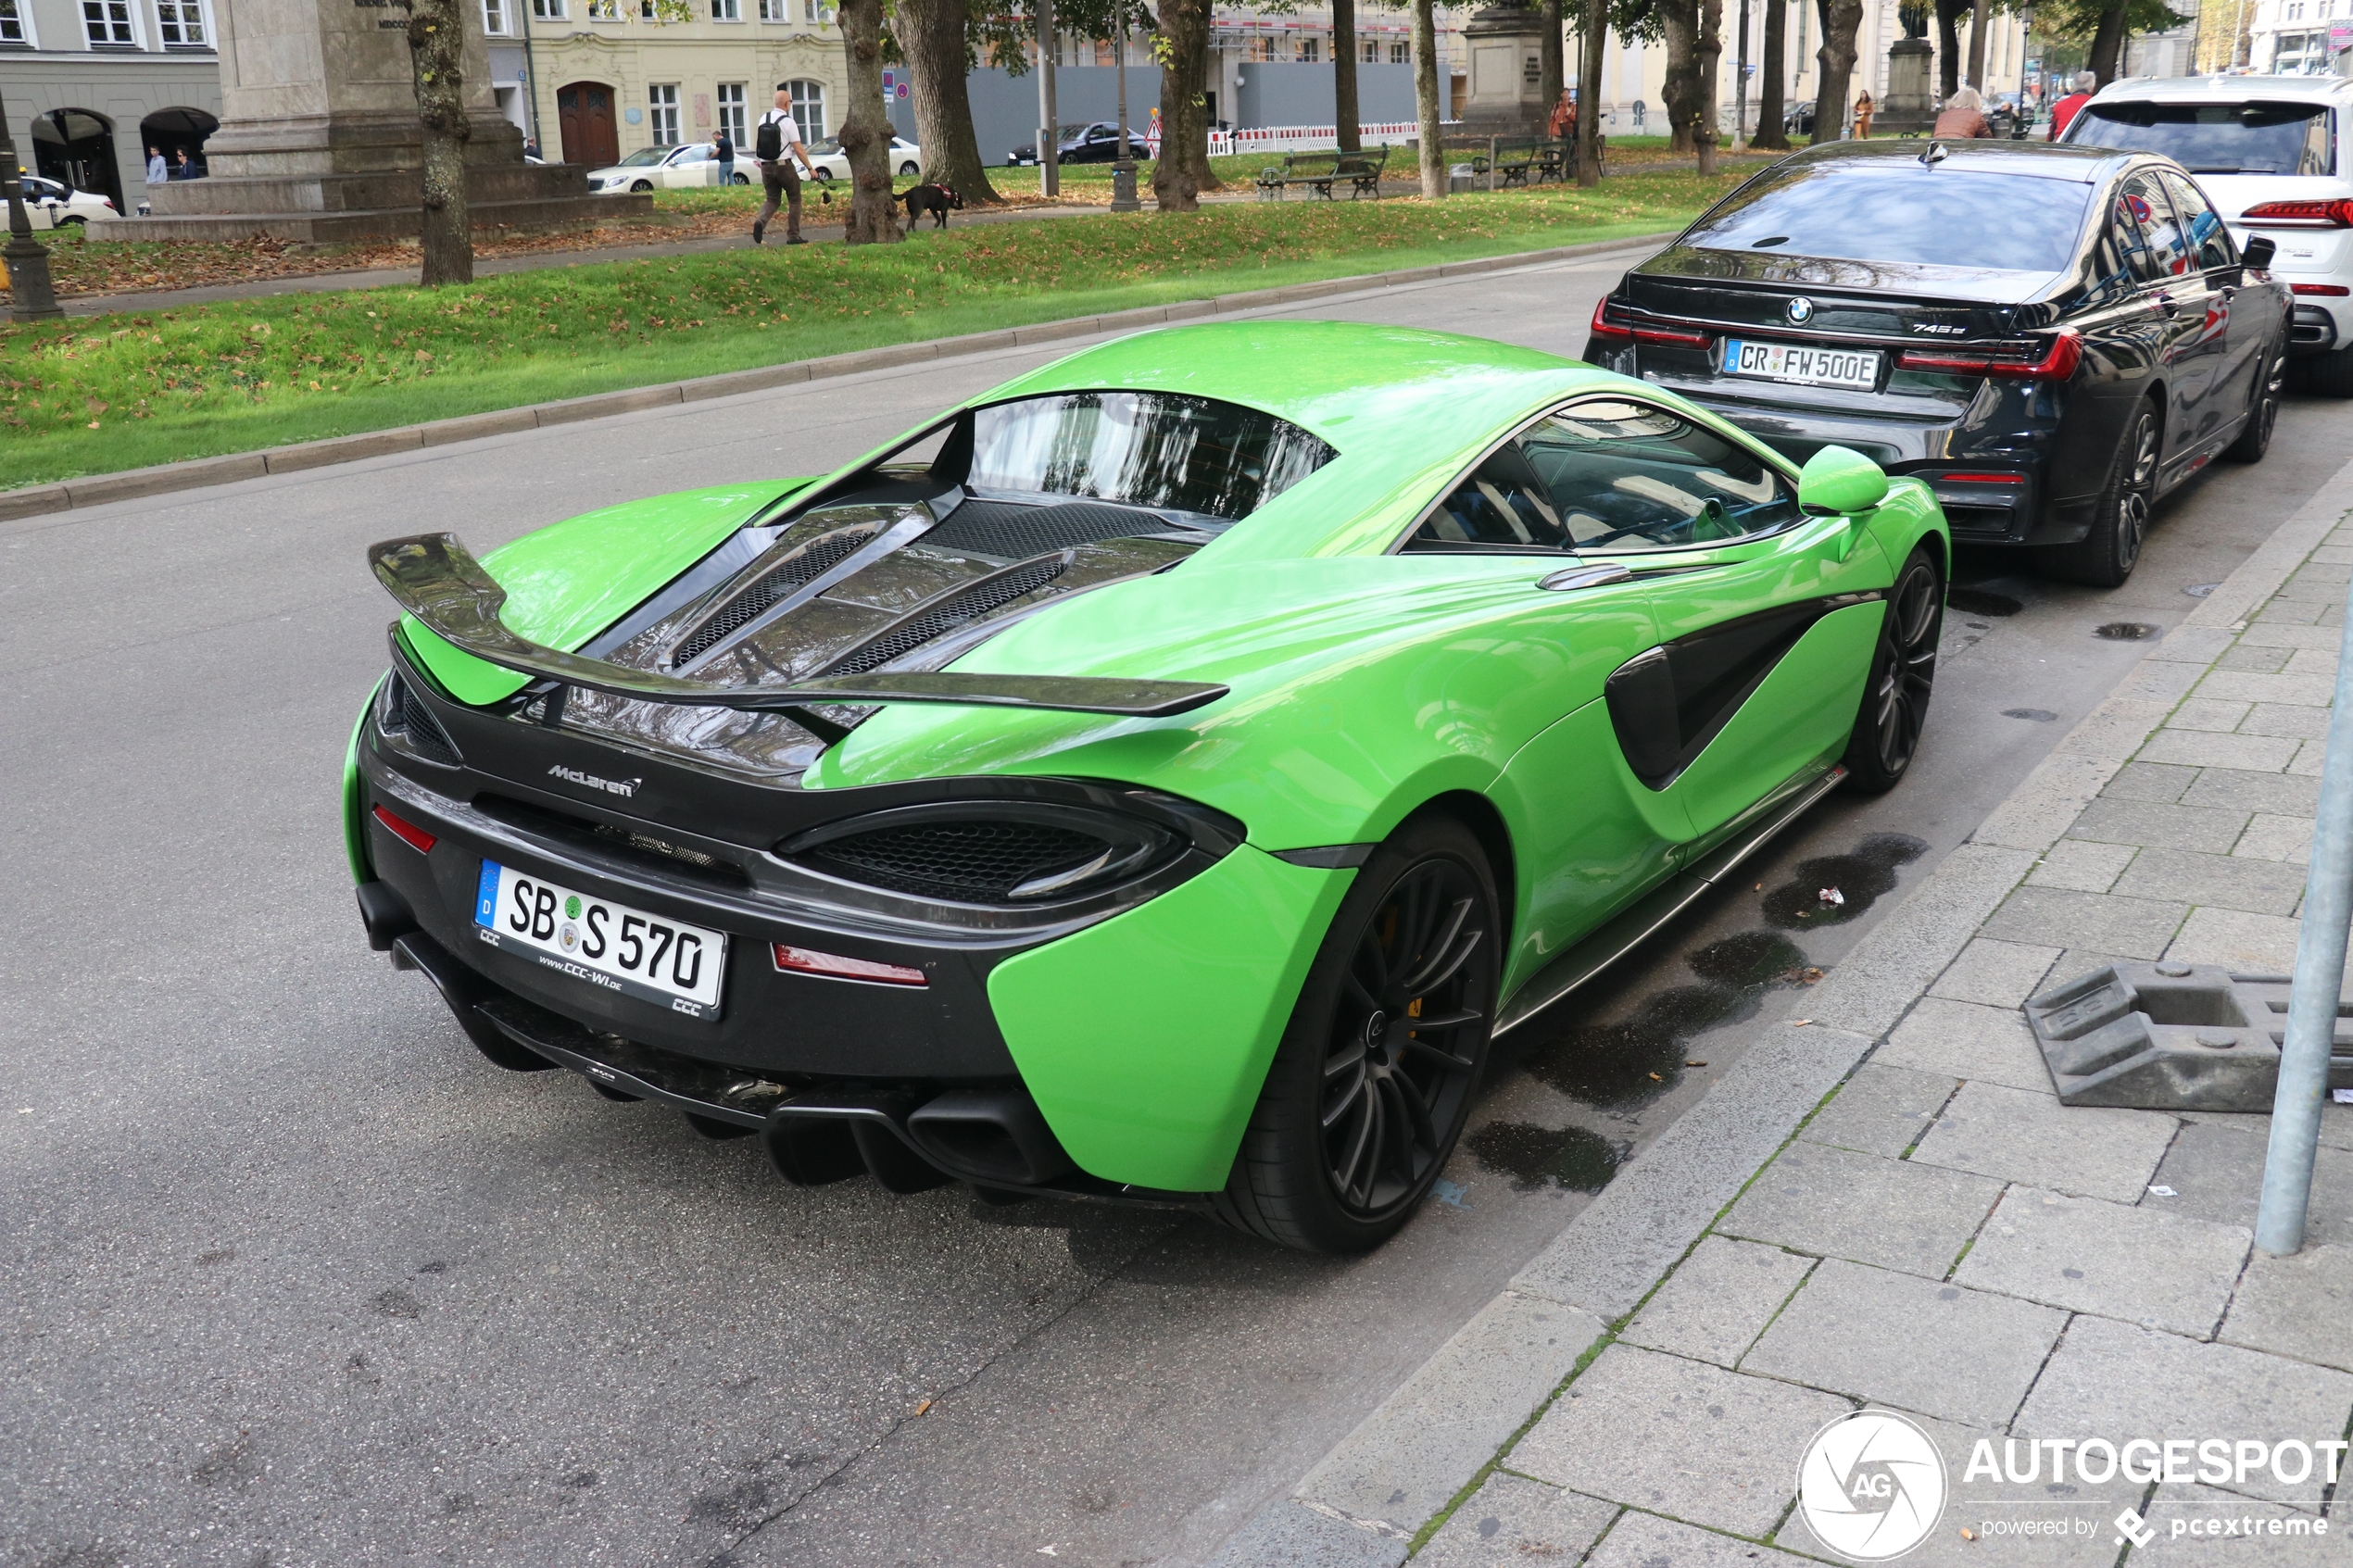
(1801, 310)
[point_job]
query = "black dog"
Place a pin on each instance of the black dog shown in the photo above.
(933, 199)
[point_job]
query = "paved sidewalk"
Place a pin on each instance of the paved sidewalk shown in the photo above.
(1940, 1237)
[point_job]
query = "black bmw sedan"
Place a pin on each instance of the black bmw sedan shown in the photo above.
(2052, 337)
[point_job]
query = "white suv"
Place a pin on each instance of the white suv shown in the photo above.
(2270, 152)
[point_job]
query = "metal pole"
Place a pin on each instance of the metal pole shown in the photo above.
(1122, 172)
(1740, 85)
(1049, 135)
(2320, 980)
(30, 297)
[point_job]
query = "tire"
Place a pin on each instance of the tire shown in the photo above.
(909, 171)
(1894, 711)
(2255, 439)
(641, 186)
(2106, 555)
(2329, 374)
(743, 179)
(1359, 1114)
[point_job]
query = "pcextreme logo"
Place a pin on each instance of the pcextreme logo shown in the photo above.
(623, 787)
(1871, 1486)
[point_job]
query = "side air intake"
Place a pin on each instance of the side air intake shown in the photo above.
(402, 715)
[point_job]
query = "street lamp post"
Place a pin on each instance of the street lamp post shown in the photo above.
(30, 297)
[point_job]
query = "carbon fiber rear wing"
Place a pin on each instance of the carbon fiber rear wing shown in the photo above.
(436, 579)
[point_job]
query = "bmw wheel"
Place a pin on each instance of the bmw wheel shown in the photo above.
(1374, 1076)
(1887, 730)
(2106, 555)
(2262, 414)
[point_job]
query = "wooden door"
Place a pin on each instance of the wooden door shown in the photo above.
(584, 110)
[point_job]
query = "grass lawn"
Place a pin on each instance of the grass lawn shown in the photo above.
(107, 393)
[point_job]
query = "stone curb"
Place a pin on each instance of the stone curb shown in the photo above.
(197, 472)
(1365, 1500)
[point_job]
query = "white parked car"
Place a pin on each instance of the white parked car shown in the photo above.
(666, 169)
(53, 206)
(2271, 153)
(832, 163)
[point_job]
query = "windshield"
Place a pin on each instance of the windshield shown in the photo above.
(1218, 460)
(2214, 138)
(1901, 211)
(643, 157)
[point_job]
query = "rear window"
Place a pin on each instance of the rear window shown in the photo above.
(1899, 210)
(2214, 138)
(1215, 459)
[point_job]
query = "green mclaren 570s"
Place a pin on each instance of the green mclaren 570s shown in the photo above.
(1161, 779)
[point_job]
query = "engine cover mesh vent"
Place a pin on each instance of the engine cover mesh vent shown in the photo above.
(974, 863)
(796, 571)
(1011, 531)
(965, 604)
(404, 715)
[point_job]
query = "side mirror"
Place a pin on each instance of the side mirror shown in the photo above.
(2257, 252)
(1837, 479)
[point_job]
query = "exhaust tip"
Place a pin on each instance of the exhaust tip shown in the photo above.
(992, 1136)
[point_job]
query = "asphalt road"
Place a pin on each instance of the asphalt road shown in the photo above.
(290, 1276)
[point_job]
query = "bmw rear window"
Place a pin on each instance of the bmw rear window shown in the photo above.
(2214, 138)
(1902, 213)
(1198, 455)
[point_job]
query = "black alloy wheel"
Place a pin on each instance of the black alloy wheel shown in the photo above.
(2263, 412)
(641, 186)
(1377, 1073)
(2106, 555)
(909, 171)
(1894, 711)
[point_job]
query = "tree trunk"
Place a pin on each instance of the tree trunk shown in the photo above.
(1593, 32)
(436, 50)
(1770, 109)
(1433, 139)
(1948, 50)
(1551, 70)
(1836, 60)
(931, 35)
(1978, 16)
(1344, 76)
(1678, 23)
(1711, 50)
(1178, 173)
(865, 134)
(2107, 44)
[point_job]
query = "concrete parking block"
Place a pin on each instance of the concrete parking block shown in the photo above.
(2147, 1265)
(2300, 1306)
(1717, 1300)
(2000, 974)
(2261, 754)
(1512, 1520)
(2149, 822)
(2152, 782)
(2286, 839)
(1893, 1338)
(2200, 1528)
(1963, 1040)
(1289, 1535)
(1616, 1432)
(2116, 1378)
(2231, 790)
(2049, 916)
(2081, 866)
(1645, 1540)
(2216, 1170)
(2249, 944)
(1895, 1213)
(2020, 1136)
(1881, 1109)
(2212, 881)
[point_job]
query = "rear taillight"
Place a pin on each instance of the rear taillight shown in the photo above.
(2326, 291)
(2337, 214)
(407, 832)
(2060, 356)
(835, 966)
(1617, 331)
(1980, 479)
(1605, 327)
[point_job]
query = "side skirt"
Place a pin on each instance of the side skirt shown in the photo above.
(1616, 937)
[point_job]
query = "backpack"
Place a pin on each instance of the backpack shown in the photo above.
(768, 142)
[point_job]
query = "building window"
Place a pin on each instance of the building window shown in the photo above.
(182, 24)
(548, 10)
(604, 10)
(493, 18)
(661, 113)
(814, 10)
(1401, 55)
(1310, 51)
(1371, 53)
(731, 113)
(809, 108)
(727, 10)
(11, 22)
(107, 23)
(774, 11)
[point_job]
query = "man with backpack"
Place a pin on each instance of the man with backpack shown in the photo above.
(778, 134)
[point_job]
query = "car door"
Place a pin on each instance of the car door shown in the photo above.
(2174, 294)
(2243, 334)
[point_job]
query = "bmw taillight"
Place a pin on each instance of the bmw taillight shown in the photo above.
(1605, 328)
(2337, 214)
(1618, 332)
(2057, 361)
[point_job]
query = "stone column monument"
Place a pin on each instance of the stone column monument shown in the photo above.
(318, 137)
(1910, 108)
(1506, 88)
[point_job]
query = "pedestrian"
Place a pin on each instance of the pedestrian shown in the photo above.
(183, 169)
(1964, 117)
(774, 146)
(1562, 126)
(2065, 110)
(723, 149)
(531, 148)
(159, 172)
(1863, 116)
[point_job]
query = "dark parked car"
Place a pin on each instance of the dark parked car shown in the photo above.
(2052, 337)
(1098, 143)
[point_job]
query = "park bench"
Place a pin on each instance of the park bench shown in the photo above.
(1319, 173)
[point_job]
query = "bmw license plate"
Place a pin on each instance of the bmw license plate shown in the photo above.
(1857, 370)
(649, 957)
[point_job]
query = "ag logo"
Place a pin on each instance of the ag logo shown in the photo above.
(1800, 310)
(1871, 1486)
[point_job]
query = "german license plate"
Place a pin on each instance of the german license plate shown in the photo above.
(649, 957)
(1854, 368)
